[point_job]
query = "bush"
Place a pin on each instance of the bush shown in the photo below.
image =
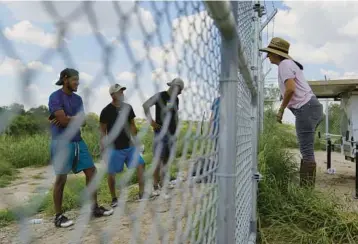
(26, 150)
(288, 213)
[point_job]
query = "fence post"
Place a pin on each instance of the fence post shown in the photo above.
(226, 217)
(356, 174)
(257, 110)
(329, 150)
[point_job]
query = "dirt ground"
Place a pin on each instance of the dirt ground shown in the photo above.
(154, 218)
(148, 221)
(342, 183)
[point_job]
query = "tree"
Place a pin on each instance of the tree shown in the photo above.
(92, 122)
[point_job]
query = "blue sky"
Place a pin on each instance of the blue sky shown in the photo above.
(164, 28)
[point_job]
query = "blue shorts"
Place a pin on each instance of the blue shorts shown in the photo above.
(165, 144)
(77, 157)
(119, 157)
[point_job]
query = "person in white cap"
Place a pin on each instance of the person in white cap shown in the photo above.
(166, 104)
(123, 151)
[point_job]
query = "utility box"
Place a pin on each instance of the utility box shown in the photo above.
(349, 123)
(345, 91)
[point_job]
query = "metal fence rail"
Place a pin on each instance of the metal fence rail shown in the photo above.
(213, 47)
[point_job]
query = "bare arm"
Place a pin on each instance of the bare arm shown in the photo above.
(148, 104)
(133, 128)
(62, 118)
(103, 129)
(289, 91)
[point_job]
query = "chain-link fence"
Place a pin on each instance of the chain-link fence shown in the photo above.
(199, 179)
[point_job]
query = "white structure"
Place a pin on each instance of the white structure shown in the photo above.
(345, 91)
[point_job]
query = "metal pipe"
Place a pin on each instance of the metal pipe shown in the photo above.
(356, 155)
(222, 13)
(329, 152)
(264, 24)
(226, 219)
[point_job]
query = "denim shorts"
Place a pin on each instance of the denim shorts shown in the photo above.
(119, 157)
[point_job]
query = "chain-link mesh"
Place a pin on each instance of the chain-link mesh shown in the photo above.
(151, 44)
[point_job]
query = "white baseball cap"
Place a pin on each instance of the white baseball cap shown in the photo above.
(114, 88)
(177, 81)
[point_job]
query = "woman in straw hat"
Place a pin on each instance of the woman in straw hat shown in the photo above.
(299, 98)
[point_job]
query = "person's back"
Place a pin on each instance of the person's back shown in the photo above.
(303, 91)
(164, 107)
(71, 104)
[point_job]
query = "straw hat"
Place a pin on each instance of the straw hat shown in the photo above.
(278, 46)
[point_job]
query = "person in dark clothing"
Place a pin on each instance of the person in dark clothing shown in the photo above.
(123, 151)
(166, 117)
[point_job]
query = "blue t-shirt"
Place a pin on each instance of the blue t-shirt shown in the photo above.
(216, 114)
(70, 104)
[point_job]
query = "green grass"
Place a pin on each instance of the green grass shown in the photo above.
(6, 217)
(24, 151)
(288, 213)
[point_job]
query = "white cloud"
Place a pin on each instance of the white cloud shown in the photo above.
(126, 76)
(331, 74)
(37, 65)
(10, 66)
(27, 33)
(159, 55)
(161, 76)
(85, 77)
(104, 13)
(327, 39)
(351, 28)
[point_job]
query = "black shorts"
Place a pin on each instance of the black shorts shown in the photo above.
(165, 145)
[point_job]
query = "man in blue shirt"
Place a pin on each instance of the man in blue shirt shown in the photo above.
(64, 106)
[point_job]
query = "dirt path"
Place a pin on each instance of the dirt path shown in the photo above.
(30, 181)
(342, 183)
(148, 221)
(156, 220)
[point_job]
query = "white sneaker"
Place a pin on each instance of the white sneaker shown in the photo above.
(171, 184)
(155, 193)
(165, 196)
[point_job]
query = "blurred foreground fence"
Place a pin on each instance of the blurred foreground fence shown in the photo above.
(213, 47)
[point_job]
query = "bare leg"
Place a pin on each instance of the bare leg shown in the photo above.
(164, 171)
(140, 175)
(111, 185)
(58, 189)
(90, 174)
(156, 176)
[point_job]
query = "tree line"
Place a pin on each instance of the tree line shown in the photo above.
(20, 121)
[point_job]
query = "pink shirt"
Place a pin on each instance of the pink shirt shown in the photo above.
(288, 69)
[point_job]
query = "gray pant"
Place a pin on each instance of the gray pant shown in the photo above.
(308, 117)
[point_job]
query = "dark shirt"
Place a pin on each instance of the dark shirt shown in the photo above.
(109, 116)
(163, 106)
(71, 105)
